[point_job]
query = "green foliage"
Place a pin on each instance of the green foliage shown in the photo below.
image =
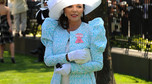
(39, 30)
(142, 44)
(126, 79)
(137, 43)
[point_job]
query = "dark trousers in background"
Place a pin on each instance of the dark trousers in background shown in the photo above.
(146, 28)
(41, 50)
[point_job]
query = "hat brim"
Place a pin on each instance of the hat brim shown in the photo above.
(56, 11)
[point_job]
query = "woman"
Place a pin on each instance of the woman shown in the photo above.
(76, 45)
(5, 30)
(19, 11)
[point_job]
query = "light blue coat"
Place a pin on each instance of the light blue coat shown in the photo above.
(55, 39)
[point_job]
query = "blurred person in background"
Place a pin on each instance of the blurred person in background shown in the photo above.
(146, 20)
(150, 19)
(110, 15)
(5, 30)
(41, 15)
(135, 17)
(19, 11)
(124, 18)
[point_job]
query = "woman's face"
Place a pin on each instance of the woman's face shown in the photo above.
(74, 12)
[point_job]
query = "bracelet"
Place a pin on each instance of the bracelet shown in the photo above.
(67, 58)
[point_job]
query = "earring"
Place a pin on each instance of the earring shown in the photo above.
(64, 14)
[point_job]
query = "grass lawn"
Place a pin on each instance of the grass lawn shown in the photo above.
(126, 79)
(26, 71)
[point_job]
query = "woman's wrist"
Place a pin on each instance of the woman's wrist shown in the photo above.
(67, 58)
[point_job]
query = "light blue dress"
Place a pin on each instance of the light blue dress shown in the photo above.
(92, 36)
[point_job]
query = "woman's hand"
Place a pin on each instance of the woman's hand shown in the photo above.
(88, 58)
(79, 55)
(65, 70)
(10, 30)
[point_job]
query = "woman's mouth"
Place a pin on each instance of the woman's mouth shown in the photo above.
(74, 15)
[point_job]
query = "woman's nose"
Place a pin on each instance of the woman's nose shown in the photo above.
(74, 9)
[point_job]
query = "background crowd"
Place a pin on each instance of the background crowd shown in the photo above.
(130, 17)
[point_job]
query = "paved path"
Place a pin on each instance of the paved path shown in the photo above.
(131, 52)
